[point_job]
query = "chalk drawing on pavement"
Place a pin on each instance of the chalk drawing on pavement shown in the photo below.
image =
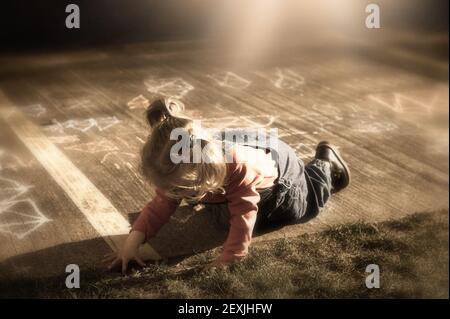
(19, 216)
(332, 111)
(11, 189)
(35, 110)
(287, 79)
(230, 80)
(305, 149)
(9, 161)
(64, 139)
(400, 103)
(78, 104)
(139, 102)
(123, 161)
(168, 87)
(222, 110)
(83, 125)
(253, 121)
(118, 159)
(93, 147)
(374, 127)
(351, 116)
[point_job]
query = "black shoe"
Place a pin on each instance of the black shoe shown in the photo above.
(340, 173)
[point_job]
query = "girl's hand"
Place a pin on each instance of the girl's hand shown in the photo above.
(129, 252)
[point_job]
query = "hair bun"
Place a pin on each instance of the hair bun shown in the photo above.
(162, 109)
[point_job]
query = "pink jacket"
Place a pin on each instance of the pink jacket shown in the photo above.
(250, 171)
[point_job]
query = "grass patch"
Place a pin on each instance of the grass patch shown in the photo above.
(412, 254)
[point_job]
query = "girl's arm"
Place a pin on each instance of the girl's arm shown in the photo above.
(154, 215)
(243, 206)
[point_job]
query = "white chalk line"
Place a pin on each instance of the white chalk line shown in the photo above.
(169, 87)
(98, 210)
(35, 221)
(11, 197)
(229, 79)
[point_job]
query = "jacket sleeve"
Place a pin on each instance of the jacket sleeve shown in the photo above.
(243, 199)
(155, 214)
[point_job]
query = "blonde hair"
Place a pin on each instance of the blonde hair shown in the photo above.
(179, 179)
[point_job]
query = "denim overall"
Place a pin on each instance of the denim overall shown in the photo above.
(300, 190)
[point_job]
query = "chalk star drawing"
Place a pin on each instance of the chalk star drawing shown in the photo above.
(139, 102)
(35, 110)
(93, 147)
(169, 87)
(18, 216)
(230, 79)
(287, 79)
(9, 161)
(11, 190)
(84, 125)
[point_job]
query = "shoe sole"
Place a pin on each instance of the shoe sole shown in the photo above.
(341, 161)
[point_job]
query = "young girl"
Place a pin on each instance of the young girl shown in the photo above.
(263, 185)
